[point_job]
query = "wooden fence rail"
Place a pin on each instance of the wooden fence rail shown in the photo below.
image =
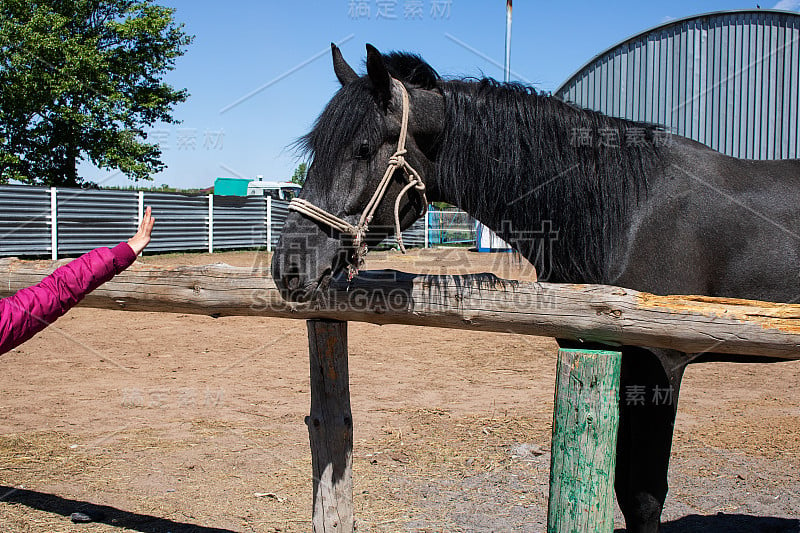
(595, 313)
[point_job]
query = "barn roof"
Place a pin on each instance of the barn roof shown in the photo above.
(729, 79)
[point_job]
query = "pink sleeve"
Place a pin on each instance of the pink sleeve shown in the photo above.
(32, 309)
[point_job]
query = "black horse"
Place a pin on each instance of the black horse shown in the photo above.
(589, 198)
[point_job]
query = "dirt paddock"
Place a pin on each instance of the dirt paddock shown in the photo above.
(158, 423)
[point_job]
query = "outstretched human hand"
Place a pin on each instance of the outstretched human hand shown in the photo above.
(142, 237)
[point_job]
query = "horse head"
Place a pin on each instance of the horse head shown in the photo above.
(372, 158)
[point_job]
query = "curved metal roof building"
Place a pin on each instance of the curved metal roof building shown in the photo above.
(730, 80)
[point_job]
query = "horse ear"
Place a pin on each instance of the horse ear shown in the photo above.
(344, 73)
(379, 74)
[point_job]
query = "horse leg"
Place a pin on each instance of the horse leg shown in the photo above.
(649, 384)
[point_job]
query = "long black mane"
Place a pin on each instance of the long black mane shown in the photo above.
(509, 152)
(512, 153)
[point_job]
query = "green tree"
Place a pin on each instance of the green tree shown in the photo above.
(82, 79)
(299, 176)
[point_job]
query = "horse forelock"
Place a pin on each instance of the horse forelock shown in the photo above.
(412, 69)
(353, 115)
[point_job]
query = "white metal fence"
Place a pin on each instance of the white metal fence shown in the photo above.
(40, 221)
(56, 222)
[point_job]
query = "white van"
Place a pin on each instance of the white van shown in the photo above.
(278, 190)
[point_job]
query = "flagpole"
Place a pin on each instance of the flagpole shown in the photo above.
(495, 242)
(507, 76)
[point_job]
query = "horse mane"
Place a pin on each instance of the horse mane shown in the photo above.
(515, 158)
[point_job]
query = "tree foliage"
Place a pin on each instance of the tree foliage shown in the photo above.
(82, 79)
(299, 176)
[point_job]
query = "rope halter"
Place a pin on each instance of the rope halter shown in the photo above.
(359, 231)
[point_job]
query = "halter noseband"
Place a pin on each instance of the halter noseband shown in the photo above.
(359, 231)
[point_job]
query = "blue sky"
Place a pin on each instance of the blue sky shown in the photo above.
(259, 73)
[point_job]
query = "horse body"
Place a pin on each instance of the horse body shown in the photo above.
(691, 221)
(587, 198)
(715, 225)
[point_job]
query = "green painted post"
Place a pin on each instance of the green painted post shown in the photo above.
(585, 421)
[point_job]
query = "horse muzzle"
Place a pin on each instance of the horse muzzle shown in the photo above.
(304, 263)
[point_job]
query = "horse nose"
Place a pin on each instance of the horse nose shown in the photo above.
(287, 278)
(292, 281)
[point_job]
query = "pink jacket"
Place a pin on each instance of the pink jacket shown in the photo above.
(31, 310)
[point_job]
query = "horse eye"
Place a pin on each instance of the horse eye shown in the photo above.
(363, 152)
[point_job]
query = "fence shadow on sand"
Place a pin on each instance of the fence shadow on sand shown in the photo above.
(105, 514)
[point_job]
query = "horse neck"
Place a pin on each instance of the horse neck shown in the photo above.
(514, 160)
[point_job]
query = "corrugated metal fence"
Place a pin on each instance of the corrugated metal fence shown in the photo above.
(25, 221)
(38, 221)
(41, 221)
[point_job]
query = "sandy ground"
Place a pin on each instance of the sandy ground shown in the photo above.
(178, 423)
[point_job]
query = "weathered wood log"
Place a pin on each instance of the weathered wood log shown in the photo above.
(585, 422)
(330, 427)
(594, 313)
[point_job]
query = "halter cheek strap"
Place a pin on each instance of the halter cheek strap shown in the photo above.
(359, 231)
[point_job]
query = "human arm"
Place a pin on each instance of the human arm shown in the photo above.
(32, 309)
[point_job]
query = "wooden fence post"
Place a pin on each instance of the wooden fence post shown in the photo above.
(585, 421)
(330, 427)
